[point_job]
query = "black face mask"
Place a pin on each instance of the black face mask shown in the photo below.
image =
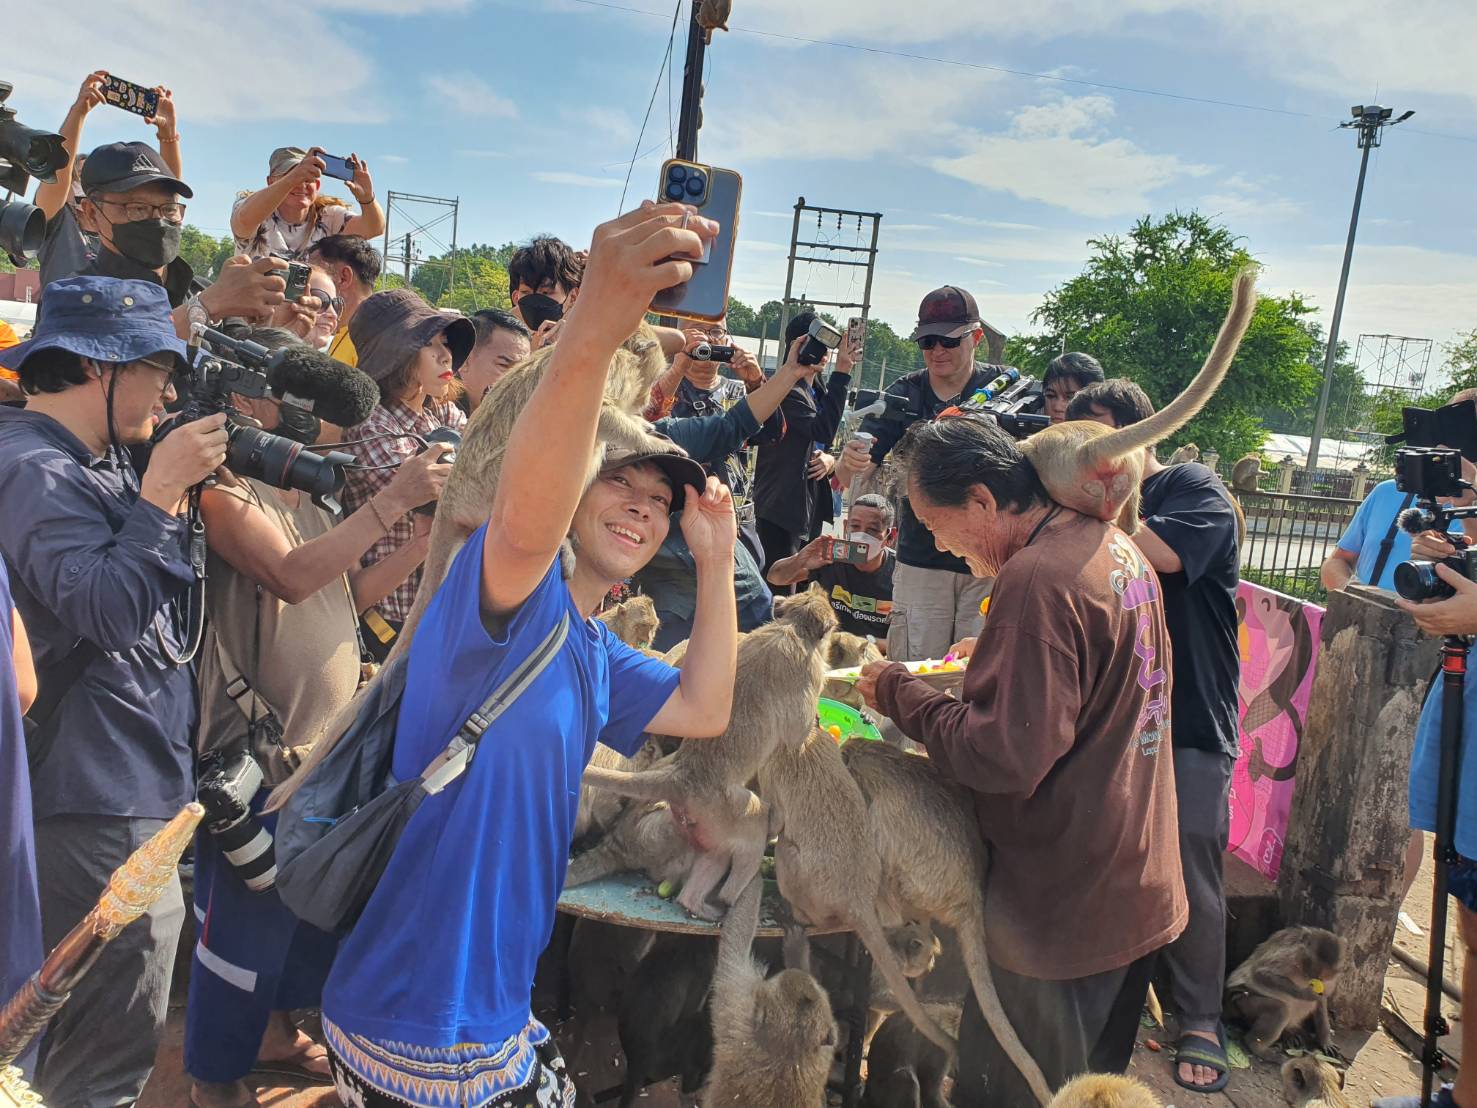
(538, 309)
(153, 243)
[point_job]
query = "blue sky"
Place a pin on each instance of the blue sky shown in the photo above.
(529, 111)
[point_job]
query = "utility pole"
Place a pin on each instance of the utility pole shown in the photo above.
(1369, 120)
(692, 87)
(407, 261)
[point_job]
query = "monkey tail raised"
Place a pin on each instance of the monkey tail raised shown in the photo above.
(971, 933)
(1187, 404)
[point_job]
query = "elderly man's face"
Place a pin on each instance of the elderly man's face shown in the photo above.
(964, 531)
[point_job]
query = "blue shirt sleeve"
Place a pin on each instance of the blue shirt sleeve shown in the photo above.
(105, 586)
(640, 686)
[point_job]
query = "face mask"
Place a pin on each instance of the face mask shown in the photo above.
(149, 242)
(872, 543)
(538, 309)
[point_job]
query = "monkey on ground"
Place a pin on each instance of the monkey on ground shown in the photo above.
(772, 1037)
(1105, 1090)
(1284, 983)
(466, 501)
(904, 1069)
(1096, 470)
(1245, 473)
(706, 783)
(634, 621)
(934, 867)
(664, 1024)
(1310, 1082)
(712, 15)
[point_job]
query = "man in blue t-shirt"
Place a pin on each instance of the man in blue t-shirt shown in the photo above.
(428, 1000)
(1456, 615)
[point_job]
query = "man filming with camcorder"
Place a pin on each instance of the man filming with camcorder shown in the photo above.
(1439, 589)
(97, 563)
(284, 590)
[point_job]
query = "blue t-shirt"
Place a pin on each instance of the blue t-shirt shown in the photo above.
(1425, 765)
(446, 948)
(1368, 528)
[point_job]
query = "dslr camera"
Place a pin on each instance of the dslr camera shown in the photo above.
(24, 153)
(1429, 464)
(251, 452)
(227, 785)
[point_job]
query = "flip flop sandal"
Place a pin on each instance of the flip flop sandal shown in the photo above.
(295, 1066)
(1194, 1051)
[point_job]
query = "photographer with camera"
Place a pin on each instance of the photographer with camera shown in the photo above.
(313, 316)
(282, 219)
(784, 491)
(284, 589)
(860, 593)
(97, 563)
(936, 600)
(412, 352)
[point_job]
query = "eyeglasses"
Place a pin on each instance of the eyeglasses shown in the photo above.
(170, 213)
(928, 342)
(324, 301)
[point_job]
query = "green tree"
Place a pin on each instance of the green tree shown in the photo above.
(1148, 306)
(742, 319)
(1461, 362)
(205, 253)
(1349, 405)
(480, 283)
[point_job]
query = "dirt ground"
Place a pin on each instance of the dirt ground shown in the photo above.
(1381, 1067)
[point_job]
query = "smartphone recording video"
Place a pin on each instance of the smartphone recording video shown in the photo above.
(715, 193)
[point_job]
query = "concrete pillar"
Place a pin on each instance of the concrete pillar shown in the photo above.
(1284, 475)
(1342, 867)
(1361, 482)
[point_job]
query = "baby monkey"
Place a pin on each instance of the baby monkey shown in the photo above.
(1310, 1082)
(1285, 982)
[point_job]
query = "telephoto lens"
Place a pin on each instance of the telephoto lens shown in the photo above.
(283, 463)
(226, 791)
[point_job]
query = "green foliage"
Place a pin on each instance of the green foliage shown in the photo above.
(480, 283)
(205, 253)
(741, 319)
(1349, 406)
(1148, 306)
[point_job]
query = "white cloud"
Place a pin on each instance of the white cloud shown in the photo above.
(978, 261)
(576, 180)
(467, 94)
(993, 224)
(1058, 153)
(393, 159)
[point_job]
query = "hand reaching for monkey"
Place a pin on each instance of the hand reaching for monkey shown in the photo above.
(867, 684)
(633, 258)
(709, 524)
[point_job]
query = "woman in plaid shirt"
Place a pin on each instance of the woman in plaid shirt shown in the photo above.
(412, 351)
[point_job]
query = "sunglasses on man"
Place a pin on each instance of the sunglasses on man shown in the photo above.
(928, 342)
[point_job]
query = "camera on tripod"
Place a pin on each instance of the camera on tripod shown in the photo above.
(1430, 468)
(251, 452)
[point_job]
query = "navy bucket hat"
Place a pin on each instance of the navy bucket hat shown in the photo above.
(102, 318)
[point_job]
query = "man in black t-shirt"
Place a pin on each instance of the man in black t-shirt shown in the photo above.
(937, 599)
(861, 595)
(1189, 535)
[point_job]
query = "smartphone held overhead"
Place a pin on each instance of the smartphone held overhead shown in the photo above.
(715, 193)
(337, 167)
(130, 97)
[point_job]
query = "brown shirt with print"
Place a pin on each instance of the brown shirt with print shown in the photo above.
(1062, 735)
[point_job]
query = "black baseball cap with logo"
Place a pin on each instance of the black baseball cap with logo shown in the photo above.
(125, 166)
(948, 312)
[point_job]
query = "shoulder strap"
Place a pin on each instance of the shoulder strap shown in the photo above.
(452, 762)
(1389, 543)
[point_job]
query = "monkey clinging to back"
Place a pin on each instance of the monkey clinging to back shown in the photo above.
(1095, 470)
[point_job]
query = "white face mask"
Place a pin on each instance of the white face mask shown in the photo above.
(872, 543)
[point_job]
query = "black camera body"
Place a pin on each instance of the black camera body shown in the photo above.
(707, 352)
(24, 153)
(820, 340)
(1012, 400)
(226, 788)
(451, 437)
(1431, 472)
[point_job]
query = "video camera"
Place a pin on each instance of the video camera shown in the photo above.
(1013, 400)
(251, 452)
(1431, 468)
(707, 352)
(24, 153)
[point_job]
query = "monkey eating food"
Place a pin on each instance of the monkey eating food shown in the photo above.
(772, 1037)
(1284, 983)
(1097, 471)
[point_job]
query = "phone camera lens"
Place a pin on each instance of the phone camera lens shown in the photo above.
(675, 191)
(696, 185)
(677, 173)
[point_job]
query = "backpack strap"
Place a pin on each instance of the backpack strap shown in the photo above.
(1389, 542)
(452, 762)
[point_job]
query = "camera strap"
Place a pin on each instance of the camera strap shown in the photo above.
(1389, 543)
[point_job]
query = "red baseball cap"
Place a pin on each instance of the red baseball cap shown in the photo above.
(949, 311)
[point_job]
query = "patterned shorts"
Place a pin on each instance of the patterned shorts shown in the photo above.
(524, 1072)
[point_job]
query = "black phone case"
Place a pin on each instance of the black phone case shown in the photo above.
(130, 97)
(332, 161)
(705, 297)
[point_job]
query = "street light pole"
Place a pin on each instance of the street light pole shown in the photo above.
(1370, 120)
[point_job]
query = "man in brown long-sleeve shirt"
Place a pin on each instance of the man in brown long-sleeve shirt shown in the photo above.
(1062, 735)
